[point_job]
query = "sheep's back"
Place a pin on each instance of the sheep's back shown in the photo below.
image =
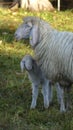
(54, 53)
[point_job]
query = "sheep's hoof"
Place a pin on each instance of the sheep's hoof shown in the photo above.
(46, 106)
(62, 110)
(32, 106)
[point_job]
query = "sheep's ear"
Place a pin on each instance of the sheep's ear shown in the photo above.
(34, 35)
(28, 21)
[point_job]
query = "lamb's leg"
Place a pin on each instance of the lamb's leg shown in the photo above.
(45, 92)
(34, 96)
(60, 96)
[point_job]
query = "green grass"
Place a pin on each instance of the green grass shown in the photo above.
(15, 90)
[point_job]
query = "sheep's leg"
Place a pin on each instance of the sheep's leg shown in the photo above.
(34, 96)
(60, 96)
(58, 93)
(50, 96)
(45, 92)
(68, 103)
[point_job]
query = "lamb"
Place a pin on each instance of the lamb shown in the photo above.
(37, 78)
(53, 49)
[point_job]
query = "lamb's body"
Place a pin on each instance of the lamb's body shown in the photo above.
(37, 78)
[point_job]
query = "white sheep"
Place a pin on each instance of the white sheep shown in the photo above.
(37, 78)
(53, 49)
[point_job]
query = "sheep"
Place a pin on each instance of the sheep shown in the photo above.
(37, 78)
(53, 49)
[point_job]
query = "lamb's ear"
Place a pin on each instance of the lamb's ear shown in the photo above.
(22, 66)
(34, 35)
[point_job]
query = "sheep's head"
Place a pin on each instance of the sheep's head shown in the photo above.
(23, 31)
(26, 63)
(29, 29)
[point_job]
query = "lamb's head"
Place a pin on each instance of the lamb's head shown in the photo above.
(26, 63)
(29, 29)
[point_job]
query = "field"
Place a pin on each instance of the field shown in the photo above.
(15, 90)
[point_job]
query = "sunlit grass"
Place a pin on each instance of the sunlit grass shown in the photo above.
(15, 90)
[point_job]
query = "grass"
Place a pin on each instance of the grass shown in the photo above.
(15, 90)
